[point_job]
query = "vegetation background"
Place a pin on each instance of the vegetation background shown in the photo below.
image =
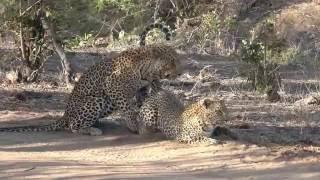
(280, 32)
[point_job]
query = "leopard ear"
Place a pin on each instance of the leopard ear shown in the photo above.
(206, 103)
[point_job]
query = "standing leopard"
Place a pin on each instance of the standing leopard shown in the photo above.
(109, 86)
(163, 111)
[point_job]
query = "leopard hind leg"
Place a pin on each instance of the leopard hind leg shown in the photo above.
(85, 112)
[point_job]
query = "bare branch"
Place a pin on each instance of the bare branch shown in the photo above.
(29, 8)
(22, 45)
(173, 4)
(156, 10)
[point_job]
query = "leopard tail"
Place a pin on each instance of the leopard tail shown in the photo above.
(55, 126)
(163, 28)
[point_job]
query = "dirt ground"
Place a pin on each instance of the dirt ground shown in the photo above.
(275, 140)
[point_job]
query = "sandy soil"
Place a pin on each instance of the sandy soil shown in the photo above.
(120, 155)
(280, 141)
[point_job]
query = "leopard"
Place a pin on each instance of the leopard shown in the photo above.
(164, 112)
(144, 91)
(110, 86)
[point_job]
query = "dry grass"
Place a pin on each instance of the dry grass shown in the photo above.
(299, 21)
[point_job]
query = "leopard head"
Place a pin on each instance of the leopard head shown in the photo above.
(213, 112)
(165, 63)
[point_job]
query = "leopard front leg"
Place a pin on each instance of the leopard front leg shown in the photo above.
(122, 97)
(147, 89)
(201, 140)
(193, 136)
(129, 112)
(147, 119)
(83, 112)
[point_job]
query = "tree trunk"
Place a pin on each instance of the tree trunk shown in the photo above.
(67, 69)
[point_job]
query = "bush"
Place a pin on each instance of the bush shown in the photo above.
(263, 75)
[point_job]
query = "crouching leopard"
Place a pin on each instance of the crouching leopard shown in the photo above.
(163, 111)
(109, 86)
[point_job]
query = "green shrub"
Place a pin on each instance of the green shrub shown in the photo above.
(262, 74)
(252, 52)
